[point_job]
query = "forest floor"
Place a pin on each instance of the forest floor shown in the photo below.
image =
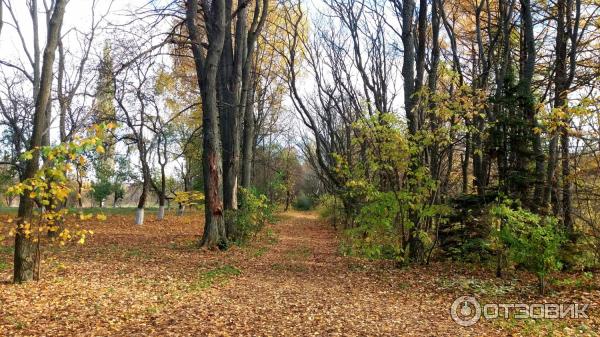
(151, 280)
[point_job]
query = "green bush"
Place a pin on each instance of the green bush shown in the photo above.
(101, 190)
(304, 203)
(376, 236)
(581, 253)
(254, 213)
(330, 208)
(530, 240)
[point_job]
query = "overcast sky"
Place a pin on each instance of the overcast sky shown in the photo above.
(78, 15)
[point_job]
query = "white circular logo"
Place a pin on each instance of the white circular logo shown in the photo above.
(465, 311)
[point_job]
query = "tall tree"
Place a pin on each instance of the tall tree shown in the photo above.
(246, 107)
(25, 260)
(207, 67)
(233, 90)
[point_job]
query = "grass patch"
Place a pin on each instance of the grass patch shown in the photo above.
(153, 310)
(8, 210)
(137, 252)
(543, 327)
(301, 252)
(584, 281)
(113, 210)
(215, 276)
(260, 251)
(357, 266)
(185, 246)
(105, 210)
(271, 236)
(291, 267)
(3, 266)
(6, 250)
(482, 287)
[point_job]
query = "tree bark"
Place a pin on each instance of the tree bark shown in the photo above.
(529, 102)
(206, 71)
(248, 91)
(421, 55)
(561, 86)
(229, 87)
(24, 258)
(248, 139)
(408, 61)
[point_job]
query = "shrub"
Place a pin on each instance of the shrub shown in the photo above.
(254, 213)
(101, 190)
(530, 240)
(304, 203)
(189, 199)
(376, 236)
(49, 189)
(330, 208)
(581, 254)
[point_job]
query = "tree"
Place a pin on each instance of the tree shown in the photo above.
(136, 106)
(234, 84)
(207, 65)
(102, 187)
(266, 88)
(24, 249)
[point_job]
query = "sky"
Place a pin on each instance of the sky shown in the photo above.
(78, 15)
(78, 19)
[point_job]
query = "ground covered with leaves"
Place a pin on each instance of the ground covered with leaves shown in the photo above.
(290, 281)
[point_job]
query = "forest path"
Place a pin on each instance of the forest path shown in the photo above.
(302, 286)
(152, 280)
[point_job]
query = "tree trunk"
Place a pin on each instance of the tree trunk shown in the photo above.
(434, 157)
(230, 86)
(24, 258)
(161, 212)
(248, 141)
(561, 84)
(181, 210)
(248, 92)
(139, 214)
(420, 56)
(79, 190)
(162, 196)
(206, 71)
(527, 99)
(408, 61)
(465, 164)
(567, 185)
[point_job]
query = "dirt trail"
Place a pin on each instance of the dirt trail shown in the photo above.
(301, 286)
(152, 280)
